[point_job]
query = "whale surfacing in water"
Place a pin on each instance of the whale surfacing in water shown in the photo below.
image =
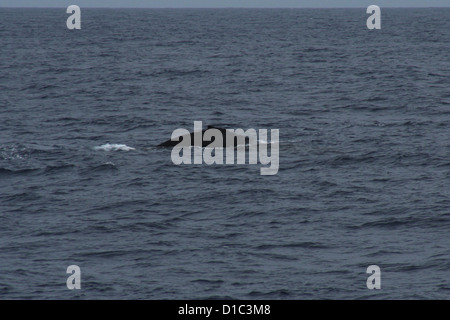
(197, 138)
(216, 145)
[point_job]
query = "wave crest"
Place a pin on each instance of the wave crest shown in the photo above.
(114, 147)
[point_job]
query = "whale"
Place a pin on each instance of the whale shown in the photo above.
(229, 139)
(209, 145)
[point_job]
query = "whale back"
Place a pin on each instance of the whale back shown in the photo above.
(226, 143)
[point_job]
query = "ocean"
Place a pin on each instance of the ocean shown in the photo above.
(364, 154)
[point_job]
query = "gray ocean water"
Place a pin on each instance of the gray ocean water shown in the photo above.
(364, 176)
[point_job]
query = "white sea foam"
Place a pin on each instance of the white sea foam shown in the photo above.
(114, 147)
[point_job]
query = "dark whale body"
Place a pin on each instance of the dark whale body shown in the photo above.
(170, 143)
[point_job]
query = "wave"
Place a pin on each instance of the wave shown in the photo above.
(104, 167)
(6, 172)
(114, 147)
(50, 169)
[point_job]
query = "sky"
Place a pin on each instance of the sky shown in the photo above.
(224, 3)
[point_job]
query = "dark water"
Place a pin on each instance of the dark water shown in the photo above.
(364, 173)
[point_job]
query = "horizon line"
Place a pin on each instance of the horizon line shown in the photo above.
(137, 7)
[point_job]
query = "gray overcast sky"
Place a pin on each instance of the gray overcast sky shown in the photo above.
(224, 3)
